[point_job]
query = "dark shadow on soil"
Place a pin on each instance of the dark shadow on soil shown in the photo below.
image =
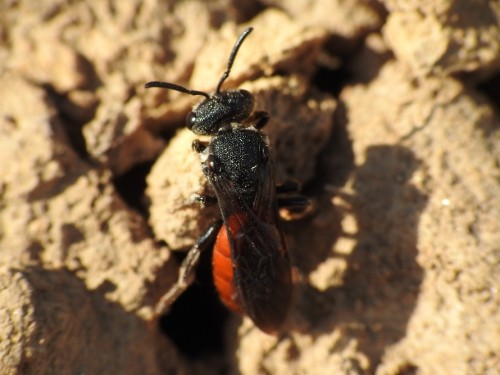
(380, 287)
(197, 319)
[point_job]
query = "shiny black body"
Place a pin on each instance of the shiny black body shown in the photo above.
(239, 167)
(239, 159)
(237, 162)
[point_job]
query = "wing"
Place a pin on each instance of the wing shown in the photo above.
(262, 272)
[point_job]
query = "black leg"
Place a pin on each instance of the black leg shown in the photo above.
(296, 202)
(295, 208)
(291, 203)
(187, 269)
(290, 186)
(199, 146)
(259, 119)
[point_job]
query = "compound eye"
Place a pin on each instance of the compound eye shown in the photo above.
(190, 120)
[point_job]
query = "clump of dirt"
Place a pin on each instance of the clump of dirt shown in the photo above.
(386, 112)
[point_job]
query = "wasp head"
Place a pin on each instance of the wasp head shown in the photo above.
(220, 109)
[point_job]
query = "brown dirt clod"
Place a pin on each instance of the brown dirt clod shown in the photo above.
(387, 112)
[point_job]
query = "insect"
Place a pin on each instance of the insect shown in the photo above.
(250, 262)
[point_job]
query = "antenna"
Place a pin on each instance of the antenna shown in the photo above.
(173, 86)
(232, 56)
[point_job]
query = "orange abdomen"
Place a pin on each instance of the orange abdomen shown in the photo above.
(222, 266)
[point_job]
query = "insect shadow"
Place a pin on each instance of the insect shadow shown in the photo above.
(380, 284)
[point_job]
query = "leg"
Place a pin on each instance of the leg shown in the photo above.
(198, 145)
(290, 186)
(295, 207)
(187, 269)
(289, 197)
(259, 119)
(296, 202)
(291, 203)
(204, 200)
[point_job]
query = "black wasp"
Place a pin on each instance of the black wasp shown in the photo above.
(250, 262)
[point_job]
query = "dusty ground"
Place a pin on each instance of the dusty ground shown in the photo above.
(387, 112)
